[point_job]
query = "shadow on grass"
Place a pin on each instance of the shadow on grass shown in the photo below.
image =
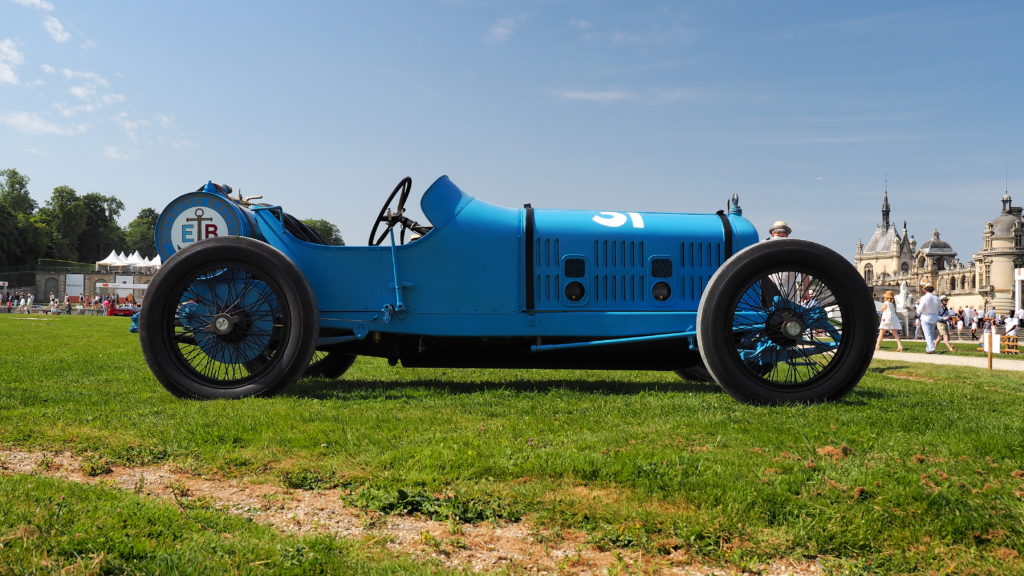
(322, 389)
(884, 369)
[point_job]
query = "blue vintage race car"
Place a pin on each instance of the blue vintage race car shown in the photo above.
(249, 299)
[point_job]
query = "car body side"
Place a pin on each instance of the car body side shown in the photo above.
(491, 271)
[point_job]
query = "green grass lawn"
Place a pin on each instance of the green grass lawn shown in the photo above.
(919, 471)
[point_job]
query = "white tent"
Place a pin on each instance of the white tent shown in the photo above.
(135, 259)
(111, 260)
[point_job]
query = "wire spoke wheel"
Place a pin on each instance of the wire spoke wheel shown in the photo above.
(231, 317)
(787, 334)
(786, 321)
(230, 324)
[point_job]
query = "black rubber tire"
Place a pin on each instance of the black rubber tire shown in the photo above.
(833, 329)
(329, 364)
(245, 285)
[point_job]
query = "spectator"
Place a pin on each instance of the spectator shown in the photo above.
(943, 323)
(928, 308)
(1010, 324)
(890, 321)
(779, 230)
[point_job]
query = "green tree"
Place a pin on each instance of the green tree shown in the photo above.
(14, 192)
(64, 216)
(24, 241)
(33, 239)
(9, 238)
(102, 232)
(141, 233)
(329, 232)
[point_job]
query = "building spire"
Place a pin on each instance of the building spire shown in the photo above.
(885, 205)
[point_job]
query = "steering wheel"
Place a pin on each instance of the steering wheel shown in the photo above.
(391, 217)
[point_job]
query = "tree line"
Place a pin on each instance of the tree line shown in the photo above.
(80, 227)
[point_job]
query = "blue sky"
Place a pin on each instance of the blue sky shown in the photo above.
(804, 109)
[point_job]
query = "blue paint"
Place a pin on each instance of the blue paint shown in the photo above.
(468, 277)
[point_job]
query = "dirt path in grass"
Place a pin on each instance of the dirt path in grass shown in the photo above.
(517, 547)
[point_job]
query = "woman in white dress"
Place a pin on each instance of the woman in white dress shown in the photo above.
(890, 321)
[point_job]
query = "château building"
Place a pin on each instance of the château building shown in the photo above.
(892, 257)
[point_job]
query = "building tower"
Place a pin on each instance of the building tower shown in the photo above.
(1002, 251)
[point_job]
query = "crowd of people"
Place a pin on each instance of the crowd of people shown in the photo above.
(16, 302)
(936, 322)
(25, 303)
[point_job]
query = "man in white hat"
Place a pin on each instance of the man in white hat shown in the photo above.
(928, 308)
(779, 230)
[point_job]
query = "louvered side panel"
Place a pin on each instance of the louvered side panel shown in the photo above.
(698, 261)
(617, 277)
(547, 275)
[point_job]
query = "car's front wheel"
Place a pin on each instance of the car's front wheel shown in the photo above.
(228, 317)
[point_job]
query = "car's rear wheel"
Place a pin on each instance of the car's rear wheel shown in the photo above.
(695, 373)
(786, 321)
(329, 364)
(228, 317)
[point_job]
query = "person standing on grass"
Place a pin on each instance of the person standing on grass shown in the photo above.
(1010, 324)
(890, 321)
(943, 323)
(928, 308)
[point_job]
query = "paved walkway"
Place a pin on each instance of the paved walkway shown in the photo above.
(998, 363)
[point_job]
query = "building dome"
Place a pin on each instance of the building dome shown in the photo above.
(1002, 225)
(937, 246)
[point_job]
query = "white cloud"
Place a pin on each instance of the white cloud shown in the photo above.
(10, 58)
(131, 126)
(87, 91)
(656, 36)
(93, 104)
(580, 23)
(40, 4)
(600, 96)
(90, 77)
(33, 124)
(503, 29)
(56, 30)
(113, 153)
(178, 144)
(83, 92)
(654, 97)
(673, 95)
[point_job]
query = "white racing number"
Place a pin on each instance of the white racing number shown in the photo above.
(618, 219)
